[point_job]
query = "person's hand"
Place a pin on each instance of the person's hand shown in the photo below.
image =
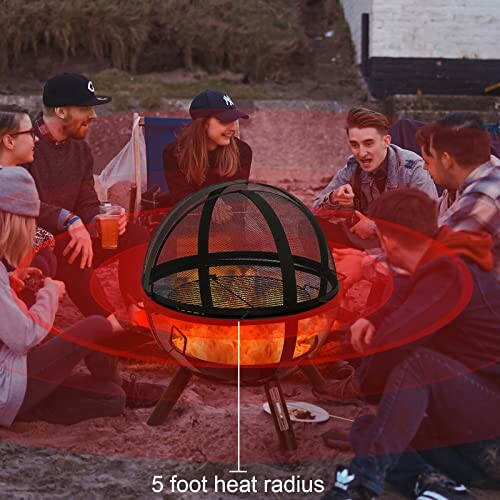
(362, 332)
(18, 276)
(122, 224)
(80, 244)
(364, 228)
(349, 262)
(61, 287)
(222, 212)
(16, 283)
(342, 253)
(344, 195)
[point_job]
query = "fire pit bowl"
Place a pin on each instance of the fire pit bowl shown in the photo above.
(269, 348)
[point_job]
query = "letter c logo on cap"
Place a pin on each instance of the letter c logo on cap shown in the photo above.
(90, 86)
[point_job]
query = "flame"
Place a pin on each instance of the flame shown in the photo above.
(260, 344)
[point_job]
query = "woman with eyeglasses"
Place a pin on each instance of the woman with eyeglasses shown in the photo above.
(17, 146)
(18, 136)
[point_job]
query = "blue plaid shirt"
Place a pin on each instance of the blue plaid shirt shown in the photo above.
(477, 205)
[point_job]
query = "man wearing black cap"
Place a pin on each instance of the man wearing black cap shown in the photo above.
(63, 173)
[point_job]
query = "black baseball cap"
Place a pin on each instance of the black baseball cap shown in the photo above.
(215, 103)
(71, 89)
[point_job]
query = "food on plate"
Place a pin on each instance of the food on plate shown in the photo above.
(302, 414)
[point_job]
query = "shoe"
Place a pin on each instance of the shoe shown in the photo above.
(344, 391)
(347, 486)
(141, 394)
(440, 487)
(130, 328)
(130, 338)
(337, 439)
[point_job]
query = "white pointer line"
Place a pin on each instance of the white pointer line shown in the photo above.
(239, 471)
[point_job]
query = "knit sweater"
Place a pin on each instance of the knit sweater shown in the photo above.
(20, 330)
(63, 173)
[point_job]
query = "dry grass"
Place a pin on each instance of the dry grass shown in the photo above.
(253, 37)
(147, 91)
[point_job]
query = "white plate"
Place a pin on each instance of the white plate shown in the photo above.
(320, 415)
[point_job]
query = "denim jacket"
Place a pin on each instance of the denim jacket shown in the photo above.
(404, 169)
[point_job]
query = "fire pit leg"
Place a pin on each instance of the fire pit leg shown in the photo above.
(170, 396)
(280, 415)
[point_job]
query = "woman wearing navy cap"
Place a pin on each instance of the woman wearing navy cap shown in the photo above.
(207, 150)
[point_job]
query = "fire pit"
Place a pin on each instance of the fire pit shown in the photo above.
(243, 254)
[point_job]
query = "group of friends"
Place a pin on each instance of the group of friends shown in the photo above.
(437, 394)
(429, 356)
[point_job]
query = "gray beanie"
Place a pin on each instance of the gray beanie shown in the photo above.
(18, 194)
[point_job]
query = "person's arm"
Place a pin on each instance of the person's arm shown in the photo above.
(420, 179)
(425, 308)
(343, 176)
(429, 304)
(24, 328)
(51, 217)
(87, 203)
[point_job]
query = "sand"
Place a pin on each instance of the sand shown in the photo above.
(118, 457)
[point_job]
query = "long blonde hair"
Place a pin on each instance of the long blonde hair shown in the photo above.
(16, 237)
(192, 153)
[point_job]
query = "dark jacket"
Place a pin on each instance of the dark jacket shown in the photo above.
(63, 174)
(451, 304)
(178, 186)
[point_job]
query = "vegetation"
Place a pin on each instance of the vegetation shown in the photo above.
(147, 91)
(256, 38)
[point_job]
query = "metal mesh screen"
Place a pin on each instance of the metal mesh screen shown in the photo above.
(240, 250)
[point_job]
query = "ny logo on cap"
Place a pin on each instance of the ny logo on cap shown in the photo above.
(228, 100)
(90, 86)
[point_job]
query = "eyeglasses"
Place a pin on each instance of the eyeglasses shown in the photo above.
(30, 131)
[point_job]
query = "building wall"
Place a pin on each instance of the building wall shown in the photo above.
(428, 46)
(451, 29)
(352, 12)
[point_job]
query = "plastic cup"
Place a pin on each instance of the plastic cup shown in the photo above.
(107, 223)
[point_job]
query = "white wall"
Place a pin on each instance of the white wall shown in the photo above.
(352, 12)
(428, 28)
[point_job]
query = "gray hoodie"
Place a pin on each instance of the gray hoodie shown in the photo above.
(20, 330)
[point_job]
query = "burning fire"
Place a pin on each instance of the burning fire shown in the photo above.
(260, 344)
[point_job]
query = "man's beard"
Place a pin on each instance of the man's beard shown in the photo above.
(75, 132)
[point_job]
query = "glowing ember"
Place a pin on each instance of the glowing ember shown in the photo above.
(260, 344)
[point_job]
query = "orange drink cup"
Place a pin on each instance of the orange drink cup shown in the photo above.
(107, 222)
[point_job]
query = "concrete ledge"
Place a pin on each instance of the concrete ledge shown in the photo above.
(433, 107)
